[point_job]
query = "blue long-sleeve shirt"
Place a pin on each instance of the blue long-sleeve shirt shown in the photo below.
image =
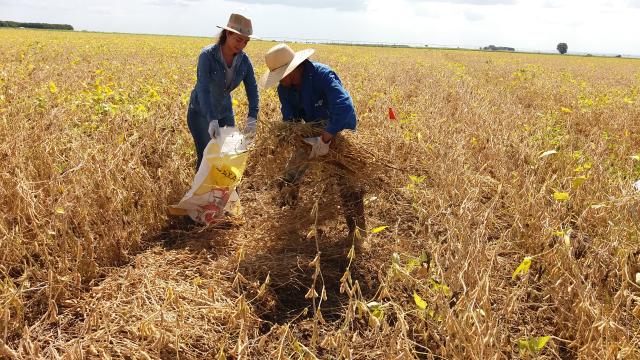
(211, 96)
(321, 97)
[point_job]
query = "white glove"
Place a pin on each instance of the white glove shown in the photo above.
(214, 129)
(318, 147)
(250, 129)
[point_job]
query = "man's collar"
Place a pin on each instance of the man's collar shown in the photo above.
(307, 73)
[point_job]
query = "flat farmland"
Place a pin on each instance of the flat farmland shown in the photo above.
(503, 220)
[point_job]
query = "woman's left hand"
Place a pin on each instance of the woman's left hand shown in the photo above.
(250, 128)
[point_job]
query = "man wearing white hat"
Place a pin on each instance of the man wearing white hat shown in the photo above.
(312, 92)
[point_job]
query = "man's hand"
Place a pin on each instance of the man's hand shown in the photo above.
(214, 129)
(318, 146)
(326, 137)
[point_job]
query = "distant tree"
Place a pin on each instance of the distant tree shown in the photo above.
(497, 48)
(562, 48)
(13, 24)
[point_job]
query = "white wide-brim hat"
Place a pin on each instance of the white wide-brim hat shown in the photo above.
(239, 25)
(281, 60)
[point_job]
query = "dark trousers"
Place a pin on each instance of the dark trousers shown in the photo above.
(351, 193)
(199, 127)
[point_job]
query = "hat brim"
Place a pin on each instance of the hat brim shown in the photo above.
(273, 77)
(236, 31)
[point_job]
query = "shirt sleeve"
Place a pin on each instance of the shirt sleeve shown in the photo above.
(251, 87)
(285, 106)
(203, 82)
(342, 114)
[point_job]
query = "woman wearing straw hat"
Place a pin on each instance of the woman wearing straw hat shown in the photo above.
(221, 68)
(311, 91)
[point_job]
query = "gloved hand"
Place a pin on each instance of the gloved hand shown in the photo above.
(214, 129)
(318, 147)
(250, 129)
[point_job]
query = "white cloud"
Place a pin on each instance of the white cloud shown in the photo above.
(586, 25)
(348, 5)
(469, 2)
(172, 2)
(473, 16)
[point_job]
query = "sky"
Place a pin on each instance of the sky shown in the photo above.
(587, 26)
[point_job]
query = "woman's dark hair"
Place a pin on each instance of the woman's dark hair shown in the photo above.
(222, 38)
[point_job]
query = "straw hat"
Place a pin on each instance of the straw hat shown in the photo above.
(281, 60)
(239, 25)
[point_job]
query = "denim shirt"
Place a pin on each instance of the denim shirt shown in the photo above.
(321, 97)
(211, 97)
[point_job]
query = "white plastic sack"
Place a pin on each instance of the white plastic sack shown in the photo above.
(213, 191)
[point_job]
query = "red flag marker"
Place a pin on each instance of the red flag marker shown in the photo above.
(392, 115)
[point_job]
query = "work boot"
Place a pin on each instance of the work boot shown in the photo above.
(357, 234)
(353, 203)
(287, 194)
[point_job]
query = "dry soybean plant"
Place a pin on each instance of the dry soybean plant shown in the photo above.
(502, 218)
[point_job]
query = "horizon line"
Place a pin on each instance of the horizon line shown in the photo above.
(417, 45)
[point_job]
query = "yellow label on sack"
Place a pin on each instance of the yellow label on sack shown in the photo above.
(224, 175)
(225, 172)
